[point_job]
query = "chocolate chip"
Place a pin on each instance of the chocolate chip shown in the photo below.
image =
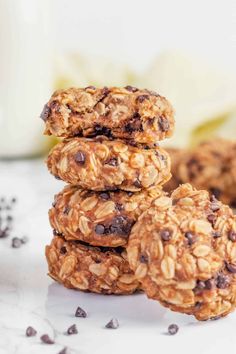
(24, 239)
(30, 332)
(119, 206)
(190, 237)
(134, 124)
(200, 285)
(216, 234)
(72, 330)
(173, 329)
(66, 210)
(112, 324)
(163, 124)
(212, 218)
(231, 267)
(209, 284)
(45, 113)
(65, 350)
(121, 225)
(216, 192)
(105, 91)
(232, 236)
(198, 305)
(4, 233)
(80, 312)
(104, 195)
(131, 88)
(80, 157)
(16, 242)
(142, 98)
(112, 162)
(143, 258)
(100, 229)
(166, 234)
(46, 339)
(63, 250)
(222, 281)
(137, 183)
(99, 130)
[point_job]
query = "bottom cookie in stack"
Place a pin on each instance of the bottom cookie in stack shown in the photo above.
(103, 270)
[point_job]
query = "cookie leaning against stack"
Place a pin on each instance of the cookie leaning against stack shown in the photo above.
(115, 169)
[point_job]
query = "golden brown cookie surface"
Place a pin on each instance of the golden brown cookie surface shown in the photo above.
(126, 113)
(183, 251)
(103, 164)
(100, 270)
(99, 218)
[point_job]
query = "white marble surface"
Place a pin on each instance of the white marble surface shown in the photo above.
(29, 297)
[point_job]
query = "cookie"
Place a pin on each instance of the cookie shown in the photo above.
(82, 267)
(210, 166)
(99, 218)
(125, 113)
(183, 251)
(103, 164)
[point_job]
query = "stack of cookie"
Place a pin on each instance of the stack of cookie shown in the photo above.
(115, 170)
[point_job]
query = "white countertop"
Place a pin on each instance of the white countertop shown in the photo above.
(29, 297)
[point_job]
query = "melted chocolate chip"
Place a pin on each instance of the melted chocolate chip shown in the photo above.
(104, 195)
(112, 162)
(222, 281)
(190, 237)
(119, 206)
(209, 284)
(131, 88)
(200, 285)
(142, 98)
(134, 124)
(212, 218)
(137, 183)
(231, 267)
(232, 236)
(163, 124)
(63, 250)
(45, 113)
(66, 210)
(143, 258)
(121, 225)
(166, 234)
(80, 158)
(99, 130)
(100, 229)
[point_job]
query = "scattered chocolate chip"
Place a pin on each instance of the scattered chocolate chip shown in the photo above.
(112, 324)
(143, 258)
(222, 281)
(65, 350)
(46, 339)
(173, 329)
(216, 234)
(72, 330)
(232, 236)
(142, 98)
(30, 332)
(80, 312)
(190, 237)
(212, 218)
(130, 194)
(80, 157)
(163, 124)
(63, 250)
(100, 229)
(231, 267)
(137, 183)
(16, 242)
(131, 88)
(166, 234)
(112, 162)
(45, 113)
(104, 195)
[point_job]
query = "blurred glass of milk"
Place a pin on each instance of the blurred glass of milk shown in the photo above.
(25, 75)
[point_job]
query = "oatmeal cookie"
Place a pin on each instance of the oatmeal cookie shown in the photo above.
(99, 218)
(183, 251)
(125, 113)
(82, 267)
(103, 164)
(210, 166)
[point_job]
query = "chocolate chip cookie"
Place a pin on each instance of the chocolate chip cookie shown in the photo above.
(183, 250)
(125, 113)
